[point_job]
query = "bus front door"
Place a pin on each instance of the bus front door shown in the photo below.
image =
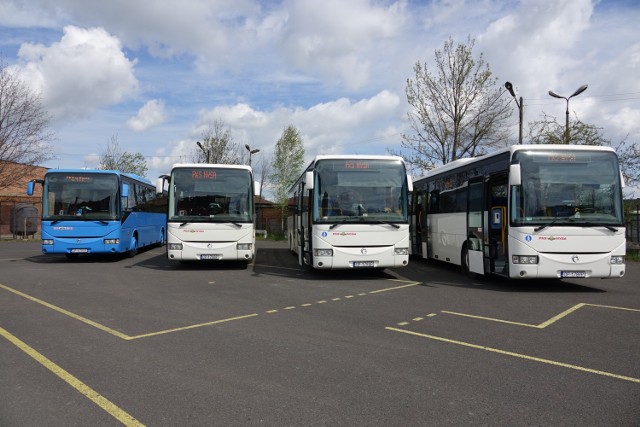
(475, 231)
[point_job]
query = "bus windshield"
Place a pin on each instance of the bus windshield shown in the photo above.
(568, 188)
(80, 196)
(211, 195)
(360, 191)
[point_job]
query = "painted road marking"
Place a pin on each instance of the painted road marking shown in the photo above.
(184, 328)
(518, 355)
(74, 382)
(544, 324)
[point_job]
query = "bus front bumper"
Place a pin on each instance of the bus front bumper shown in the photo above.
(360, 257)
(570, 266)
(210, 251)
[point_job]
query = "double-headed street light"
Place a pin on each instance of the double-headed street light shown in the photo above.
(520, 105)
(207, 152)
(576, 93)
(251, 152)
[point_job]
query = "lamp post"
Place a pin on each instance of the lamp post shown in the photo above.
(576, 93)
(207, 152)
(520, 105)
(251, 152)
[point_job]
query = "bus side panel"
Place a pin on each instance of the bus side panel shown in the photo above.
(147, 226)
(447, 236)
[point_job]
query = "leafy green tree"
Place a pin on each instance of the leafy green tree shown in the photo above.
(288, 162)
(287, 165)
(113, 158)
(457, 109)
(24, 127)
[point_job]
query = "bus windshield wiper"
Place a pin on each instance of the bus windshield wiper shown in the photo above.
(344, 221)
(596, 224)
(543, 226)
(385, 222)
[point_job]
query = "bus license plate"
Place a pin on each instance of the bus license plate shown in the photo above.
(573, 274)
(363, 263)
(211, 256)
(79, 251)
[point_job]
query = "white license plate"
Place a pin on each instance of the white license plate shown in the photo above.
(210, 256)
(574, 274)
(364, 264)
(79, 251)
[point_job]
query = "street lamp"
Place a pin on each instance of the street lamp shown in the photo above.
(251, 152)
(206, 151)
(576, 93)
(520, 105)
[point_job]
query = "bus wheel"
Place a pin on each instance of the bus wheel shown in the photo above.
(464, 260)
(464, 263)
(133, 247)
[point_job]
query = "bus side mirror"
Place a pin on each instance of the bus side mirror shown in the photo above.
(308, 180)
(515, 178)
(256, 188)
(409, 184)
(31, 186)
(125, 190)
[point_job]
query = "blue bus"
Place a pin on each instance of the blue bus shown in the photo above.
(99, 212)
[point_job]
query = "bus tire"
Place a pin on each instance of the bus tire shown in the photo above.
(464, 263)
(133, 247)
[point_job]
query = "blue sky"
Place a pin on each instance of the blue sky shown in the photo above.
(158, 73)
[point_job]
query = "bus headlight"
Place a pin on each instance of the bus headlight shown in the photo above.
(111, 241)
(174, 246)
(243, 246)
(323, 252)
(401, 251)
(47, 242)
(524, 259)
(617, 260)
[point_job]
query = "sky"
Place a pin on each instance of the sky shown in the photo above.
(157, 74)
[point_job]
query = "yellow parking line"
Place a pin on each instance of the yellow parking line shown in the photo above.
(74, 382)
(68, 313)
(396, 287)
(184, 328)
(518, 355)
(544, 324)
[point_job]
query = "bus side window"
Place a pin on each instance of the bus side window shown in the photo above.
(125, 197)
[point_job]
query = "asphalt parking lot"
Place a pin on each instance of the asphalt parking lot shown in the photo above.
(142, 341)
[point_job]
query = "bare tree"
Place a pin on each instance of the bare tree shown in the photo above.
(113, 158)
(218, 146)
(457, 111)
(24, 127)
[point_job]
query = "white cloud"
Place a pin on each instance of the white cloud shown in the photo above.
(151, 114)
(85, 70)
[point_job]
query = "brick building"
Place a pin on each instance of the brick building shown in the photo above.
(13, 199)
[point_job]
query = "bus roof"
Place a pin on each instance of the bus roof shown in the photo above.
(512, 149)
(101, 171)
(211, 166)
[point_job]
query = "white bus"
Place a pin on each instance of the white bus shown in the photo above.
(350, 212)
(210, 213)
(526, 211)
